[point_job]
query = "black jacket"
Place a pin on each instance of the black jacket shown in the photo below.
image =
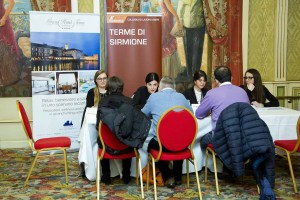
(128, 124)
(240, 135)
(191, 96)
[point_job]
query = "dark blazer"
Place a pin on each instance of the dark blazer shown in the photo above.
(240, 135)
(140, 97)
(191, 96)
(273, 102)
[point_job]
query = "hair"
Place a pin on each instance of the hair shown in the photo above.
(152, 76)
(258, 91)
(222, 74)
(115, 85)
(167, 82)
(97, 96)
(198, 74)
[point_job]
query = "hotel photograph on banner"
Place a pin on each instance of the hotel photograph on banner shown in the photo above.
(65, 54)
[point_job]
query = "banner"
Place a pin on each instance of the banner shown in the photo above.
(133, 47)
(65, 52)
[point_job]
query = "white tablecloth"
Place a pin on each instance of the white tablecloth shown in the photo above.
(281, 122)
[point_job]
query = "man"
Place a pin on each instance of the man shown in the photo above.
(156, 105)
(217, 99)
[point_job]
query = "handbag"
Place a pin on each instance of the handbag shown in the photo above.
(159, 179)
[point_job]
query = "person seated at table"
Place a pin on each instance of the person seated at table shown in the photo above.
(196, 93)
(114, 100)
(156, 105)
(256, 91)
(217, 99)
(93, 98)
(142, 93)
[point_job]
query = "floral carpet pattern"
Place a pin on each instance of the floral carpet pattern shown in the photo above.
(48, 182)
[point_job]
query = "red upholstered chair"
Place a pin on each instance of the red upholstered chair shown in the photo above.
(210, 150)
(285, 148)
(43, 144)
(109, 139)
(176, 130)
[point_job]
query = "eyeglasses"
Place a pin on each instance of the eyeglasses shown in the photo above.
(101, 79)
(248, 77)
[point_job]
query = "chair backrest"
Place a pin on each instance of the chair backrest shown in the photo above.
(25, 122)
(298, 136)
(177, 128)
(109, 139)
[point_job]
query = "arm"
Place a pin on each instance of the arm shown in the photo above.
(9, 8)
(90, 98)
(273, 102)
(205, 107)
(172, 10)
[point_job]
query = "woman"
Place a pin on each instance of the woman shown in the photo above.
(142, 94)
(257, 92)
(9, 52)
(95, 94)
(196, 93)
(93, 98)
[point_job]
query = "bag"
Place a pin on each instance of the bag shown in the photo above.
(177, 31)
(159, 179)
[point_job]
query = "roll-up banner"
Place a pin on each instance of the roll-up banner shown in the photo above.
(133, 47)
(65, 53)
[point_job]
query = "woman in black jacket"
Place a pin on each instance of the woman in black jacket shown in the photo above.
(256, 91)
(196, 93)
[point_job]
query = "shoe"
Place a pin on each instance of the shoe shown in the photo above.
(126, 179)
(82, 171)
(106, 180)
(171, 183)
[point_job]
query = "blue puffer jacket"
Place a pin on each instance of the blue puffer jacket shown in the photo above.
(240, 135)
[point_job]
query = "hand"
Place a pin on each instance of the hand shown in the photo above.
(2, 21)
(250, 86)
(256, 104)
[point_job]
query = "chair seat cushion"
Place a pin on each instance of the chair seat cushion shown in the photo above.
(286, 144)
(120, 156)
(178, 155)
(211, 147)
(55, 142)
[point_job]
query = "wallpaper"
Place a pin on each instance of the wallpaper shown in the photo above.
(262, 37)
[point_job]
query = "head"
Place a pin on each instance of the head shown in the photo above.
(100, 78)
(166, 82)
(152, 81)
(252, 76)
(200, 79)
(222, 74)
(115, 85)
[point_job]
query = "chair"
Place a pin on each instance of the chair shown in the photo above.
(108, 139)
(285, 148)
(43, 144)
(210, 149)
(176, 130)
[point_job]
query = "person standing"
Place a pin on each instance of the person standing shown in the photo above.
(256, 91)
(157, 104)
(217, 99)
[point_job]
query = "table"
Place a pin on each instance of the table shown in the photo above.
(281, 122)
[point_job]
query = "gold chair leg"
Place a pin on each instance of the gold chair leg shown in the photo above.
(148, 168)
(98, 179)
(141, 177)
(292, 171)
(66, 166)
(154, 178)
(216, 175)
(197, 179)
(206, 163)
(31, 168)
(187, 173)
(136, 170)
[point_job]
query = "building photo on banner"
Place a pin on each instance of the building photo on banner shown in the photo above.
(65, 53)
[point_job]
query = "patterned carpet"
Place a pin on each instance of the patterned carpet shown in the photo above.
(47, 182)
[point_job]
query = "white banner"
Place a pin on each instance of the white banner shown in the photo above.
(65, 53)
